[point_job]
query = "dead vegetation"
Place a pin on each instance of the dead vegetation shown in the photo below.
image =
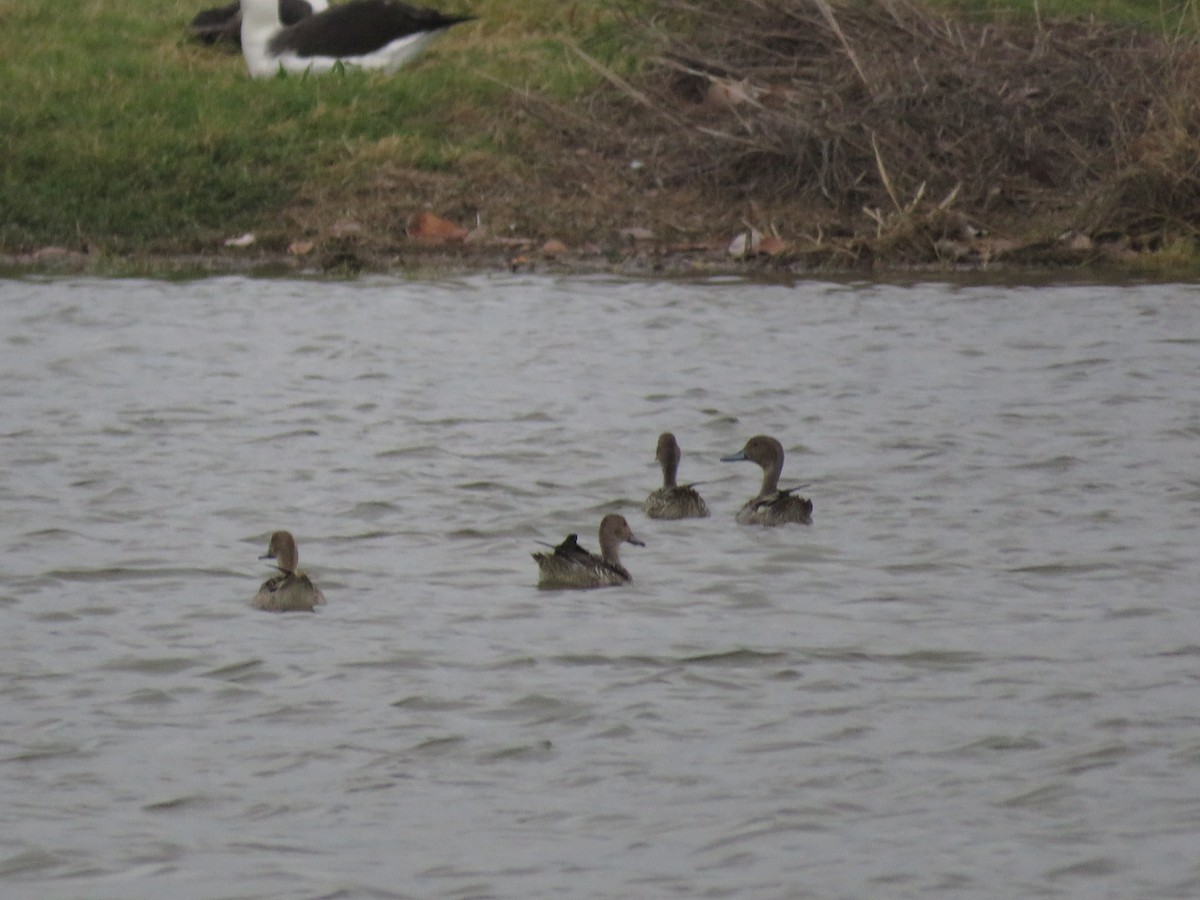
(863, 132)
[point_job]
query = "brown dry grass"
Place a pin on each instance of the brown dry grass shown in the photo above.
(888, 131)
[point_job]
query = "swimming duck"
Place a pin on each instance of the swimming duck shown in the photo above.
(372, 34)
(772, 506)
(673, 501)
(290, 591)
(224, 23)
(571, 566)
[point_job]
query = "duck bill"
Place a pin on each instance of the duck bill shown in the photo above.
(740, 456)
(635, 540)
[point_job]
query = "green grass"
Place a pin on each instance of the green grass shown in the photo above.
(118, 132)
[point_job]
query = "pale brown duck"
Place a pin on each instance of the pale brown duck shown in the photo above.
(571, 566)
(291, 590)
(672, 500)
(772, 506)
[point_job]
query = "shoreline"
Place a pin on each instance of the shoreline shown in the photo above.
(1068, 258)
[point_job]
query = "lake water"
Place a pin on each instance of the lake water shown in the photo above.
(974, 676)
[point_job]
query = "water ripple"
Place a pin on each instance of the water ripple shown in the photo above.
(975, 669)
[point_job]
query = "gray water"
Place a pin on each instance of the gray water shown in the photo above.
(975, 675)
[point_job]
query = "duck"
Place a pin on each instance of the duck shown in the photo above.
(673, 501)
(571, 566)
(772, 506)
(291, 590)
(370, 34)
(223, 24)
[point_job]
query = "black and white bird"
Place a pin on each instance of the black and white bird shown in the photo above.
(223, 24)
(372, 34)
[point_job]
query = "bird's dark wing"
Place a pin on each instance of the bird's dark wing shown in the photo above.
(358, 28)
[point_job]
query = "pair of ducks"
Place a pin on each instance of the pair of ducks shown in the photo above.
(771, 506)
(569, 565)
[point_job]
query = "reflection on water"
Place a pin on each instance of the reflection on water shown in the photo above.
(973, 676)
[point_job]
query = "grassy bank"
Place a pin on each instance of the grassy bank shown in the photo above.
(123, 138)
(118, 131)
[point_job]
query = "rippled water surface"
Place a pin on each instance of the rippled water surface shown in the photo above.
(975, 675)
